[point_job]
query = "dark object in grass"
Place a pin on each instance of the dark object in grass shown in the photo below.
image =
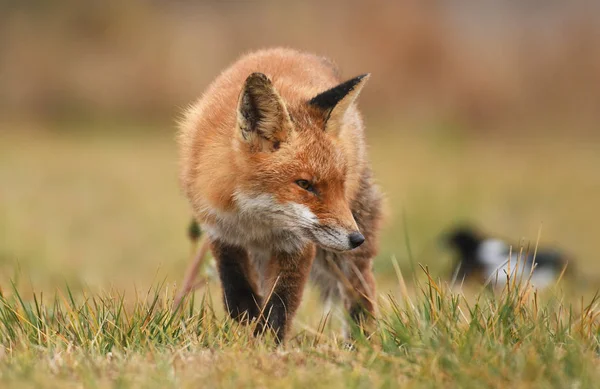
(488, 259)
(194, 231)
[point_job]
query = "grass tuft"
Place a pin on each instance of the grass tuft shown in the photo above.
(432, 335)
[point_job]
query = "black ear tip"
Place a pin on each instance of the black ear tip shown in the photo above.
(258, 75)
(357, 80)
(257, 78)
(353, 82)
(329, 99)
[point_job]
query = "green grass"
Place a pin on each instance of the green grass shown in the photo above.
(434, 338)
(93, 245)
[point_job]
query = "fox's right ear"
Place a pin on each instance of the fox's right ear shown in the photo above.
(334, 103)
(262, 118)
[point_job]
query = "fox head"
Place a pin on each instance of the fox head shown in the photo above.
(295, 160)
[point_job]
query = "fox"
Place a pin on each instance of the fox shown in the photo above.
(273, 161)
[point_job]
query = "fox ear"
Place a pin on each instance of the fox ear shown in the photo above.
(334, 102)
(262, 117)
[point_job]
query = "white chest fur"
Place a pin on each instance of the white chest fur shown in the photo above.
(261, 224)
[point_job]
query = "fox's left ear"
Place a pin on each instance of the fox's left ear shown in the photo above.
(334, 103)
(262, 117)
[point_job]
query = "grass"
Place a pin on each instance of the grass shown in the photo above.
(92, 247)
(434, 338)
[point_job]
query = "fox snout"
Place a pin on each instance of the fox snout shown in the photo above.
(338, 231)
(336, 238)
(356, 239)
(338, 234)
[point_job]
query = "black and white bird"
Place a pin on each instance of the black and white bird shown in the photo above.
(488, 259)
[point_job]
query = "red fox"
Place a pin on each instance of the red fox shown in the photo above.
(274, 164)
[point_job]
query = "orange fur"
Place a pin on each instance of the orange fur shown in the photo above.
(246, 143)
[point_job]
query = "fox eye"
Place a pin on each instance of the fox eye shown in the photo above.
(305, 184)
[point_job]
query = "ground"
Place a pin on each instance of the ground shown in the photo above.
(93, 246)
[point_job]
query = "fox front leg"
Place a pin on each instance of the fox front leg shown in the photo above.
(240, 293)
(287, 274)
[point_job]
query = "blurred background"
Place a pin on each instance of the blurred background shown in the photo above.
(487, 112)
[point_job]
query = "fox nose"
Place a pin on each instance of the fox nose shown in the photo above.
(356, 239)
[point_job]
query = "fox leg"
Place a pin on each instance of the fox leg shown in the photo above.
(360, 301)
(346, 277)
(287, 275)
(239, 290)
(192, 271)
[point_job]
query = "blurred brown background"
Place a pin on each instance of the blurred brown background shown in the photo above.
(475, 63)
(476, 110)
